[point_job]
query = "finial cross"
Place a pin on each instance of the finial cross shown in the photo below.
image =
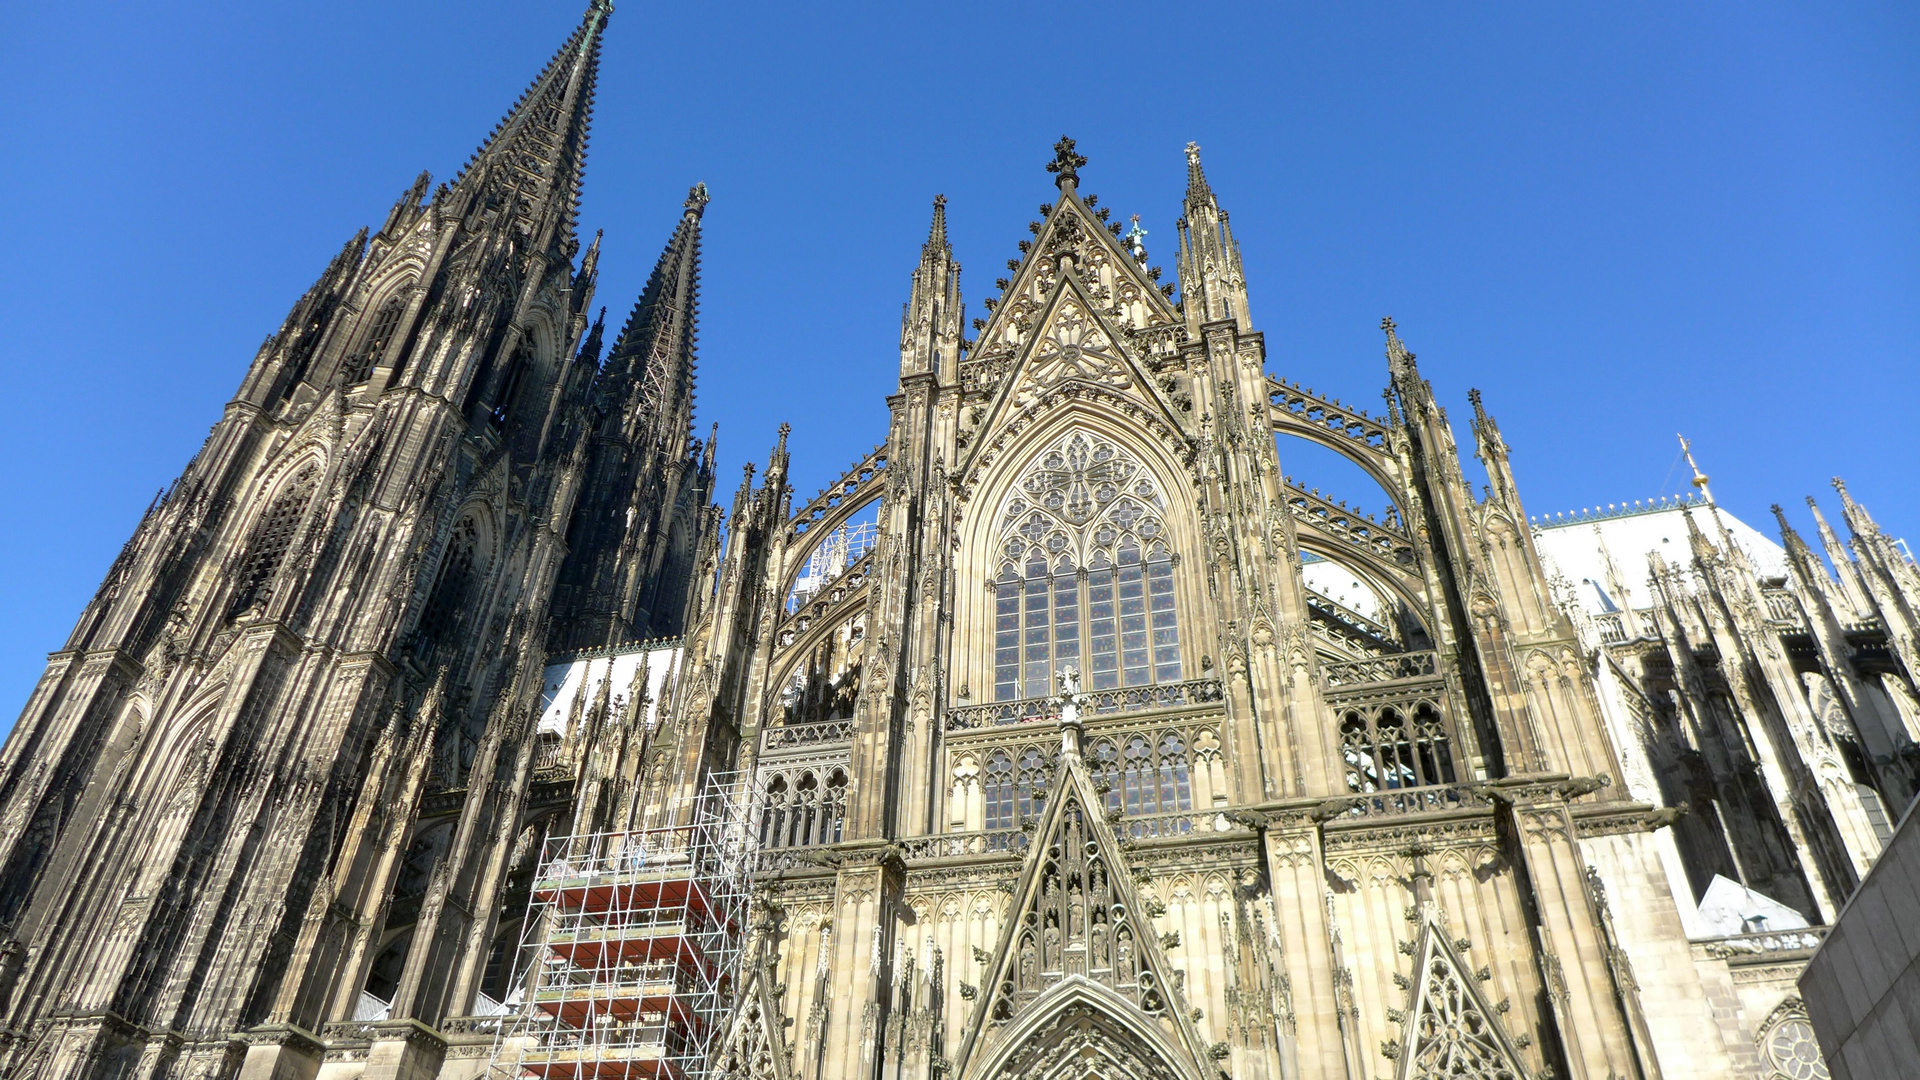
(1066, 163)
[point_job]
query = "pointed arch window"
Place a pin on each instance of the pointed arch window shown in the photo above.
(1385, 748)
(453, 590)
(998, 788)
(1084, 574)
(374, 346)
(272, 536)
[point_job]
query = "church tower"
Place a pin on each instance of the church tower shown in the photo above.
(279, 769)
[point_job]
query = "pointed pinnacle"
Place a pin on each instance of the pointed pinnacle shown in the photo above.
(1197, 188)
(937, 232)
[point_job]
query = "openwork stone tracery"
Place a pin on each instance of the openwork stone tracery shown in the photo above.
(1083, 558)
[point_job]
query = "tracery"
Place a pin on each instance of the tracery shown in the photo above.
(1085, 574)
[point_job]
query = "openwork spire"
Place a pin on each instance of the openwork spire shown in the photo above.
(657, 347)
(1212, 284)
(529, 169)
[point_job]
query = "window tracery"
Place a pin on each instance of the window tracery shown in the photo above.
(1145, 774)
(451, 590)
(1790, 1047)
(804, 811)
(272, 536)
(1015, 784)
(361, 364)
(1386, 748)
(1084, 574)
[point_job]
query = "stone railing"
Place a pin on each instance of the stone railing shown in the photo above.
(1612, 629)
(1183, 823)
(506, 1023)
(955, 845)
(1124, 699)
(1766, 945)
(1379, 669)
(789, 736)
(1392, 803)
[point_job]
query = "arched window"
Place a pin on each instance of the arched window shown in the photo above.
(1084, 575)
(1106, 768)
(806, 810)
(773, 819)
(997, 785)
(272, 535)
(836, 807)
(1384, 751)
(1030, 785)
(453, 589)
(372, 347)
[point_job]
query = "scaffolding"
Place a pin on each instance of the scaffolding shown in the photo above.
(631, 944)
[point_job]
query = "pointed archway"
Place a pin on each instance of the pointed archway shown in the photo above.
(1084, 1030)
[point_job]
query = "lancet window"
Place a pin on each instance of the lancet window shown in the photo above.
(804, 810)
(272, 535)
(452, 590)
(361, 364)
(1084, 574)
(1015, 786)
(1145, 774)
(1389, 747)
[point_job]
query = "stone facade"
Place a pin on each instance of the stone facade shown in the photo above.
(1064, 759)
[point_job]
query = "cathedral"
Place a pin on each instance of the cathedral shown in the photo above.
(439, 722)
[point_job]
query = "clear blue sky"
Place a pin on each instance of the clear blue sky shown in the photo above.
(1619, 222)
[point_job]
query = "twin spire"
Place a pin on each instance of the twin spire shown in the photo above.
(530, 168)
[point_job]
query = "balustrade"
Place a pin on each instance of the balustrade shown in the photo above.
(816, 734)
(1378, 669)
(1125, 699)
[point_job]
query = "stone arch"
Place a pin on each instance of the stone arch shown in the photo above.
(806, 542)
(1080, 1030)
(1372, 460)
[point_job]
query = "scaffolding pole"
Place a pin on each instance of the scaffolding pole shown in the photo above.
(631, 947)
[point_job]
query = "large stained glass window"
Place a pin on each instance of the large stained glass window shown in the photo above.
(1084, 575)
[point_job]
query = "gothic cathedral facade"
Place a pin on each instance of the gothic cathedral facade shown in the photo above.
(1060, 758)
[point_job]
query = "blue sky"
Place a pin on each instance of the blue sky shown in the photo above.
(1619, 221)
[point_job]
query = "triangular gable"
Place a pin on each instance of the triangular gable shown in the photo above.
(1450, 1030)
(756, 1042)
(1077, 913)
(1071, 227)
(1071, 343)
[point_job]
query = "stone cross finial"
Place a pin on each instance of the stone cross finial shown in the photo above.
(697, 199)
(1193, 153)
(1065, 164)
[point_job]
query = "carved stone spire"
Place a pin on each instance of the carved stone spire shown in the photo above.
(528, 171)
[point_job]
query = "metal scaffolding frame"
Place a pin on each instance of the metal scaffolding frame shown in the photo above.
(631, 946)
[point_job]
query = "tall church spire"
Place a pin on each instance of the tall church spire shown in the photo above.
(1212, 285)
(653, 361)
(529, 169)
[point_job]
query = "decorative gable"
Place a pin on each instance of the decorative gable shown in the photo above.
(1076, 919)
(1073, 345)
(1450, 1030)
